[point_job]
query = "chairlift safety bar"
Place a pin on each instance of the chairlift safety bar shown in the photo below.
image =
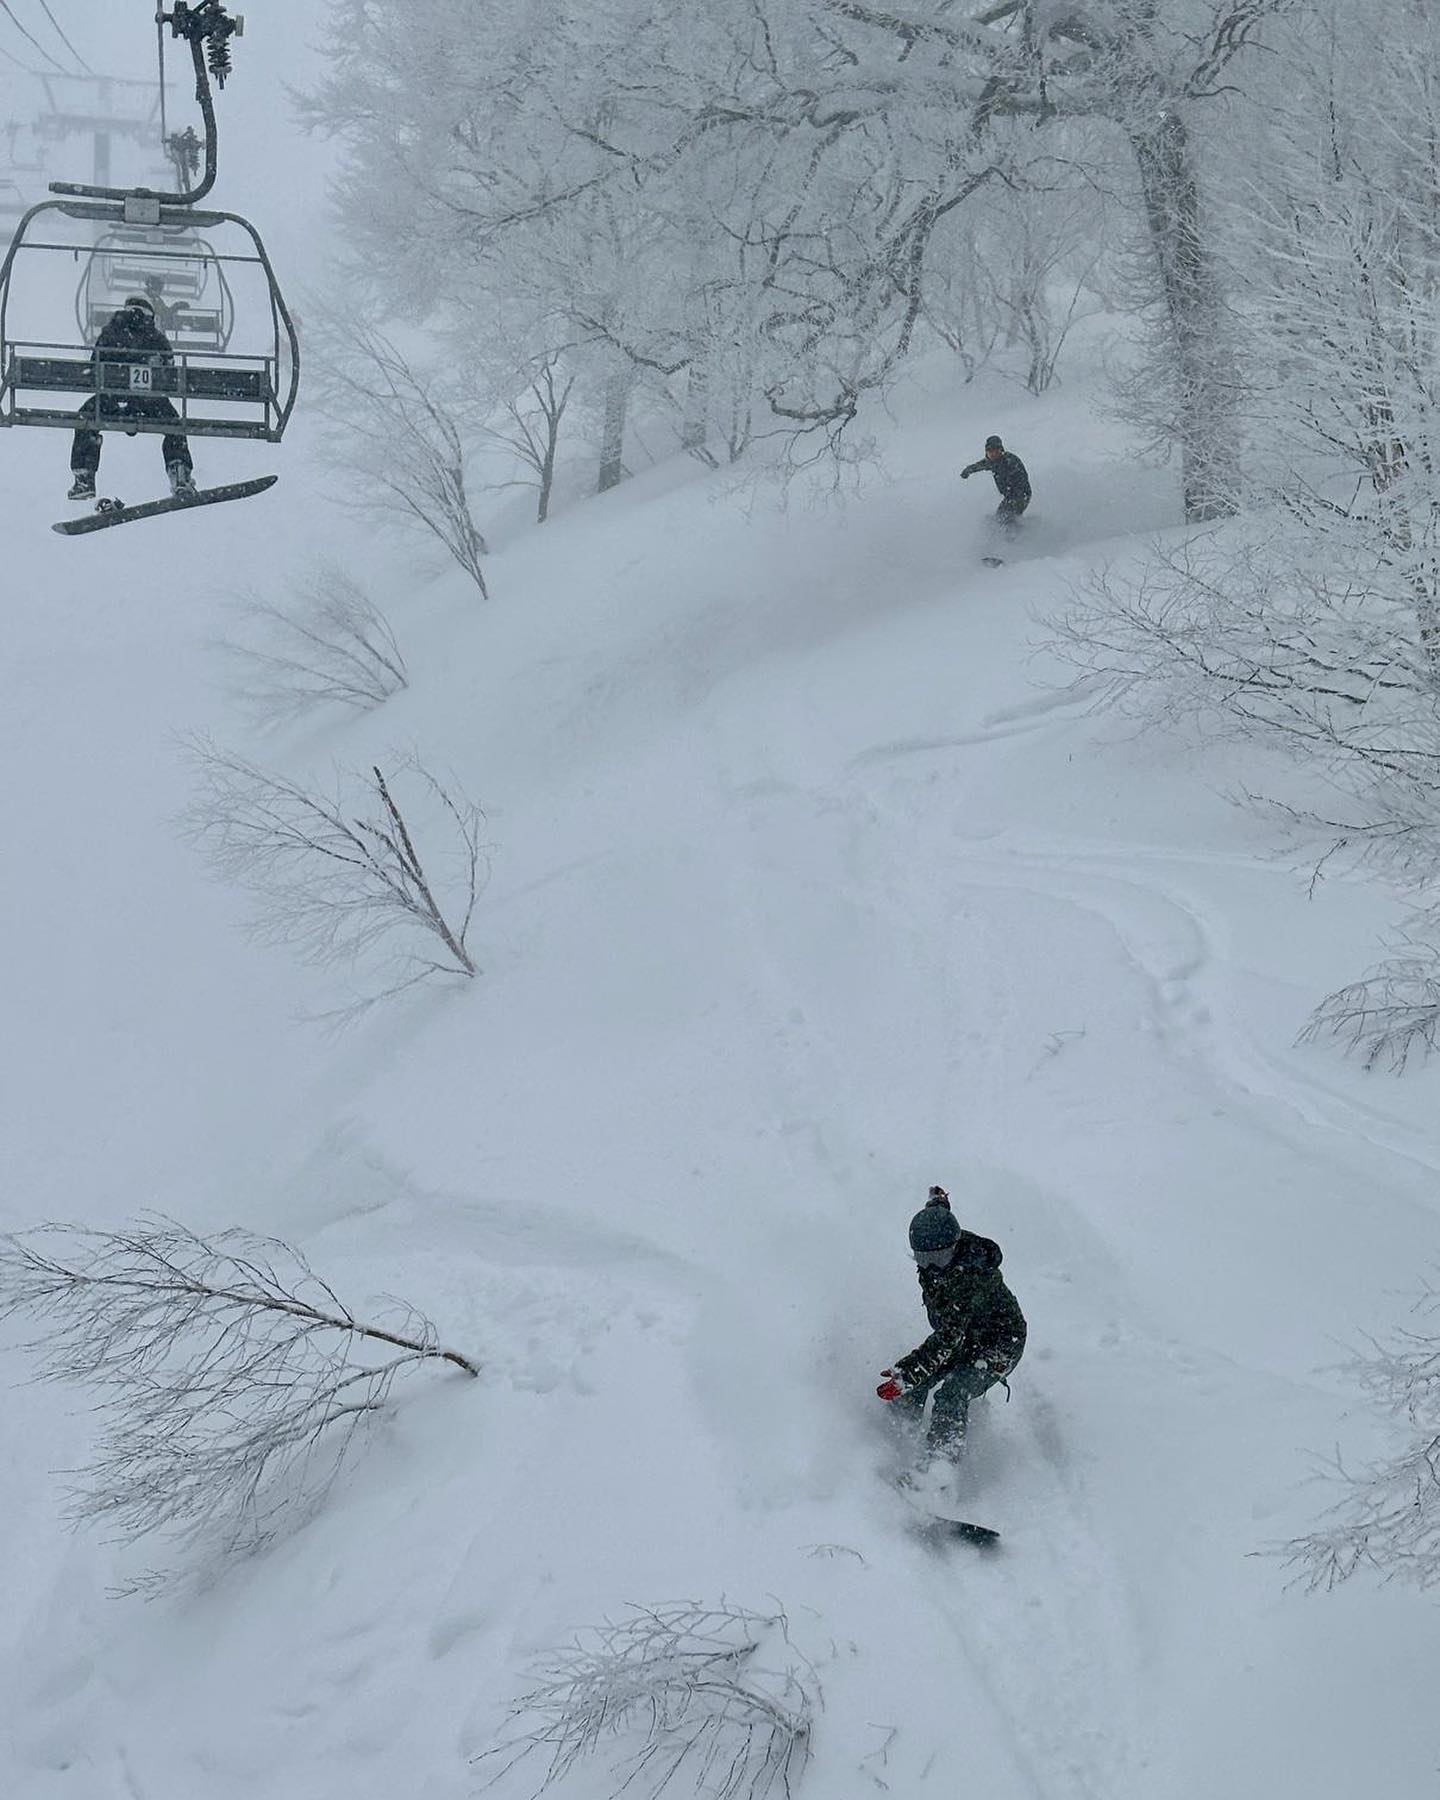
(207, 377)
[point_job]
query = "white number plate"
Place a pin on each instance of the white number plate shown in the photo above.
(142, 378)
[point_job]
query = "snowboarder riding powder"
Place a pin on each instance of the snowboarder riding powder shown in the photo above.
(977, 1330)
(1011, 478)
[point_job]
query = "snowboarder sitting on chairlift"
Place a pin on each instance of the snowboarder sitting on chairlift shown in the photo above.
(131, 337)
(1010, 477)
(977, 1330)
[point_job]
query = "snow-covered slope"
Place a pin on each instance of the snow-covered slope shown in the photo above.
(810, 888)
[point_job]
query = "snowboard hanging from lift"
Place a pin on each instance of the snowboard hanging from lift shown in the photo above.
(115, 512)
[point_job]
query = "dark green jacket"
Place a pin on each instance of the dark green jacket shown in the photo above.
(972, 1313)
(1011, 476)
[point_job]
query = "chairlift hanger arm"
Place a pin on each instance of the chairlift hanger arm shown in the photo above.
(208, 28)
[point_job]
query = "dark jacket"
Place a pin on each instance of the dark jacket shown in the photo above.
(1009, 472)
(133, 336)
(971, 1312)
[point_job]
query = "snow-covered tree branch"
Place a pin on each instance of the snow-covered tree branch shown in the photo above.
(778, 174)
(528, 421)
(680, 1694)
(1387, 1520)
(1392, 1014)
(399, 438)
(327, 644)
(340, 875)
(232, 1381)
(1316, 619)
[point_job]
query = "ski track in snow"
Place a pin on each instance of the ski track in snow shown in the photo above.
(1050, 1642)
(1172, 934)
(1043, 712)
(1059, 1644)
(1044, 1624)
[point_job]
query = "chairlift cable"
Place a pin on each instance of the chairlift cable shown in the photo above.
(15, 61)
(45, 8)
(30, 38)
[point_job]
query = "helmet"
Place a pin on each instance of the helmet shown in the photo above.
(141, 300)
(993, 443)
(934, 1227)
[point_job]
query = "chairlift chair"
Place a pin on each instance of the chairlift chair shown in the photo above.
(151, 242)
(217, 393)
(179, 271)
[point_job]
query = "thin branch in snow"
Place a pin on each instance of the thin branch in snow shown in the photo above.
(400, 438)
(341, 875)
(327, 644)
(679, 1690)
(232, 1381)
(1387, 1520)
(1393, 1014)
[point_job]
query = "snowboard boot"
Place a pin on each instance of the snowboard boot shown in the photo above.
(83, 486)
(182, 481)
(940, 1461)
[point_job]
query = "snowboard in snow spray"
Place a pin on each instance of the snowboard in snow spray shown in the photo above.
(937, 1526)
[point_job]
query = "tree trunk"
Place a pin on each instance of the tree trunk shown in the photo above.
(1203, 420)
(695, 426)
(612, 443)
(547, 471)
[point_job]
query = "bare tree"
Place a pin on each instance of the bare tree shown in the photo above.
(1344, 244)
(1258, 625)
(1019, 261)
(401, 438)
(233, 1381)
(1317, 620)
(1387, 1520)
(1392, 1014)
(341, 875)
(1255, 629)
(679, 1691)
(530, 425)
(328, 644)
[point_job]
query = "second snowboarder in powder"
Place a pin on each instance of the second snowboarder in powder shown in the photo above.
(1011, 478)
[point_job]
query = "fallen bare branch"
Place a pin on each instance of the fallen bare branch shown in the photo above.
(233, 1381)
(341, 875)
(681, 1692)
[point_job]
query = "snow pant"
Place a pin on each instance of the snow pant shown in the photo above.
(953, 1391)
(1009, 510)
(109, 414)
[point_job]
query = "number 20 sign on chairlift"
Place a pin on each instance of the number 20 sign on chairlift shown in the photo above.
(203, 346)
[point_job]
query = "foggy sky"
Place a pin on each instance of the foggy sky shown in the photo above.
(269, 170)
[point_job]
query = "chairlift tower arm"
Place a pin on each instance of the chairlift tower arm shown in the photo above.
(207, 26)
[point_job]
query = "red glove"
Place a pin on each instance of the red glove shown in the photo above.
(893, 1386)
